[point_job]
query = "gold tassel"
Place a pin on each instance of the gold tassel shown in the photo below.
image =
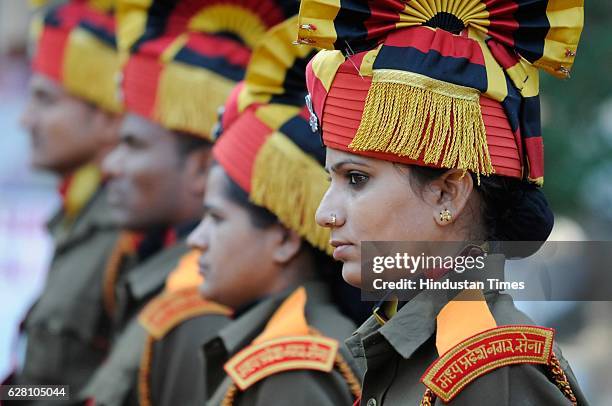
(291, 185)
(189, 97)
(144, 372)
(123, 248)
(90, 70)
(410, 115)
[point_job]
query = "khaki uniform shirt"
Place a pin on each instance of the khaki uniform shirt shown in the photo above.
(67, 327)
(296, 387)
(115, 382)
(397, 354)
(177, 322)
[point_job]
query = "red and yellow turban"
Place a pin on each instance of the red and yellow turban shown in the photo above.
(182, 58)
(266, 144)
(447, 84)
(75, 46)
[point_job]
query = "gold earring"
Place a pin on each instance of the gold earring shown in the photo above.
(445, 215)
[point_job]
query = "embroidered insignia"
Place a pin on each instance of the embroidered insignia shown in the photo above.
(259, 361)
(169, 309)
(484, 352)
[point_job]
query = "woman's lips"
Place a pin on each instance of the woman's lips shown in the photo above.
(342, 249)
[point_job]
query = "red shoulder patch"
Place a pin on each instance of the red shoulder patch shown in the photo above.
(484, 352)
(168, 309)
(259, 361)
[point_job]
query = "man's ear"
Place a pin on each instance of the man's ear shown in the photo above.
(287, 246)
(196, 166)
(448, 195)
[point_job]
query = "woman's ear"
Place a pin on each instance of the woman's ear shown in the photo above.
(288, 245)
(448, 195)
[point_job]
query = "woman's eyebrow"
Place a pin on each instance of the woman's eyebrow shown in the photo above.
(338, 165)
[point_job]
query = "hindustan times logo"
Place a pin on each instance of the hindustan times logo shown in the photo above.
(412, 263)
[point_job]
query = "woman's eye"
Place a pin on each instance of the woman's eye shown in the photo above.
(215, 217)
(357, 179)
(211, 215)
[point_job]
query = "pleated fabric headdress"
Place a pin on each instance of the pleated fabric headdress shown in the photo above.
(439, 83)
(183, 57)
(266, 145)
(74, 44)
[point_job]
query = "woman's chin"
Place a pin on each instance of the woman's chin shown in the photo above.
(351, 273)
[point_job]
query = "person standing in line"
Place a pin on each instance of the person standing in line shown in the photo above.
(73, 117)
(180, 61)
(262, 253)
(431, 121)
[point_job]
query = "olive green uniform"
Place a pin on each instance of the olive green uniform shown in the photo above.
(397, 354)
(173, 373)
(115, 382)
(296, 387)
(67, 327)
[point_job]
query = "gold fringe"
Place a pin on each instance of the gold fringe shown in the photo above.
(560, 379)
(122, 248)
(349, 376)
(144, 373)
(410, 115)
(290, 184)
(429, 398)
(230, 395)
(343, 368)
(90, 70)
(189, 97)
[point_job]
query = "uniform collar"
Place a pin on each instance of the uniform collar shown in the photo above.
(245, 328)
(95, 214)
(151, 275)
(415, 322)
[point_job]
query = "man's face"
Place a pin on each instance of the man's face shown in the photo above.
(62, 127)
(146, 175)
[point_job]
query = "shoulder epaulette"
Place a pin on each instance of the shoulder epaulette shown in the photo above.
(259, 361)
(169, 309)
(485, 352)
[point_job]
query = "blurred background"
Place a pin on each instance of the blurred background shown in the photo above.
(577, 120)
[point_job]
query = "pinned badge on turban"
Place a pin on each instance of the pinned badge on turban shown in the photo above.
(313, 121)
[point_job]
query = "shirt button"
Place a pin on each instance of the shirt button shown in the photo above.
(371, 402)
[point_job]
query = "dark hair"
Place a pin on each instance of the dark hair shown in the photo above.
(346, 297)
(187, 143)
(511, 209)
(260, 216)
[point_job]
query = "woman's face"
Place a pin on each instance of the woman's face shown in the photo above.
(372, 200)
(237, 259)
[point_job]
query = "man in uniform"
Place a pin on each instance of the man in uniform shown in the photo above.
(182, 59)
(73, 118)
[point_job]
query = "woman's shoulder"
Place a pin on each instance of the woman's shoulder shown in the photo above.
(329, 320)
(507, 360)
(505, 312)
(298, 355)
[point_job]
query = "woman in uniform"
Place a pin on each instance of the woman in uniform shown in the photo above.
(430, 115)
(263, 255)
